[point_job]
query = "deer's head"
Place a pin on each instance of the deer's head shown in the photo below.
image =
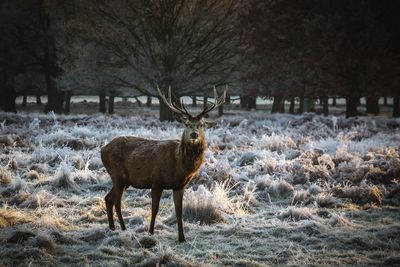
(194, 125)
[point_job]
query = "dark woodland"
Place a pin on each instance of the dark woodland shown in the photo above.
(303, 51)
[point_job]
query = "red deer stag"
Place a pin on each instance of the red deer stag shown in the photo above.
(155, 164)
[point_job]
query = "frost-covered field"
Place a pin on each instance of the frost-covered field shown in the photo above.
(274, 190)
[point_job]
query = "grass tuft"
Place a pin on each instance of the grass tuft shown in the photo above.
(300, 196)
(280, 188)
(325, 200)
(39, 167)
(201, 206)
(362, 194)
(11, 217)
(63, 177)
(5, 176)
(20, 236)
(32, 175)
(296, 214)
(45, 241)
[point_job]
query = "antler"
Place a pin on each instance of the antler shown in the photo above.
(217, 102)
(168, 101)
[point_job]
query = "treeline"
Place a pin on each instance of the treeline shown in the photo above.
(321, 49)
(283, 49)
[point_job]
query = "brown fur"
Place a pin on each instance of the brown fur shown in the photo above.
(144, 163)
(150, 164)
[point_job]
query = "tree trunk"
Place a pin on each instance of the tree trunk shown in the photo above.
(24, 100)
(251, 103)
(277, 104)
(165, 113)
(7, 99)
(334, 101)
(55, 97)
(55, 100)
(311, 104)
(291, 107)
(220, 110)
(102, 103)
(385, 101)
(68, 95)
(148, 101)
(243, 101)
(248, 102)
(38, 100)
(304, 104)
(372, 105)
(111, 104)
(301, 105)
(227, 99)
(325, 105)
(194, 101)
(351, 106)
(205, 100)
(396, 106)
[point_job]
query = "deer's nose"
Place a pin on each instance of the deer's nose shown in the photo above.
(194, 135)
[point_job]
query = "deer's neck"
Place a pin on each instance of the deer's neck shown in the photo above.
(192, 156)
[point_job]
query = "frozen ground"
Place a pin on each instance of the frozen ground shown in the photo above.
(274, 190)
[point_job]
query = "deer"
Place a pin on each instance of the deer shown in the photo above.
(157, 164)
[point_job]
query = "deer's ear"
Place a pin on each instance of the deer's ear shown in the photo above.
(209, 124)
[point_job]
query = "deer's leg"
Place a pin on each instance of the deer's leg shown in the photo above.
(118, 192)
(178, 197)
(109, 199)
(155, 202)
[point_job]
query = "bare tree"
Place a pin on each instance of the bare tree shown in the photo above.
(189, 45)
(85, 74)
